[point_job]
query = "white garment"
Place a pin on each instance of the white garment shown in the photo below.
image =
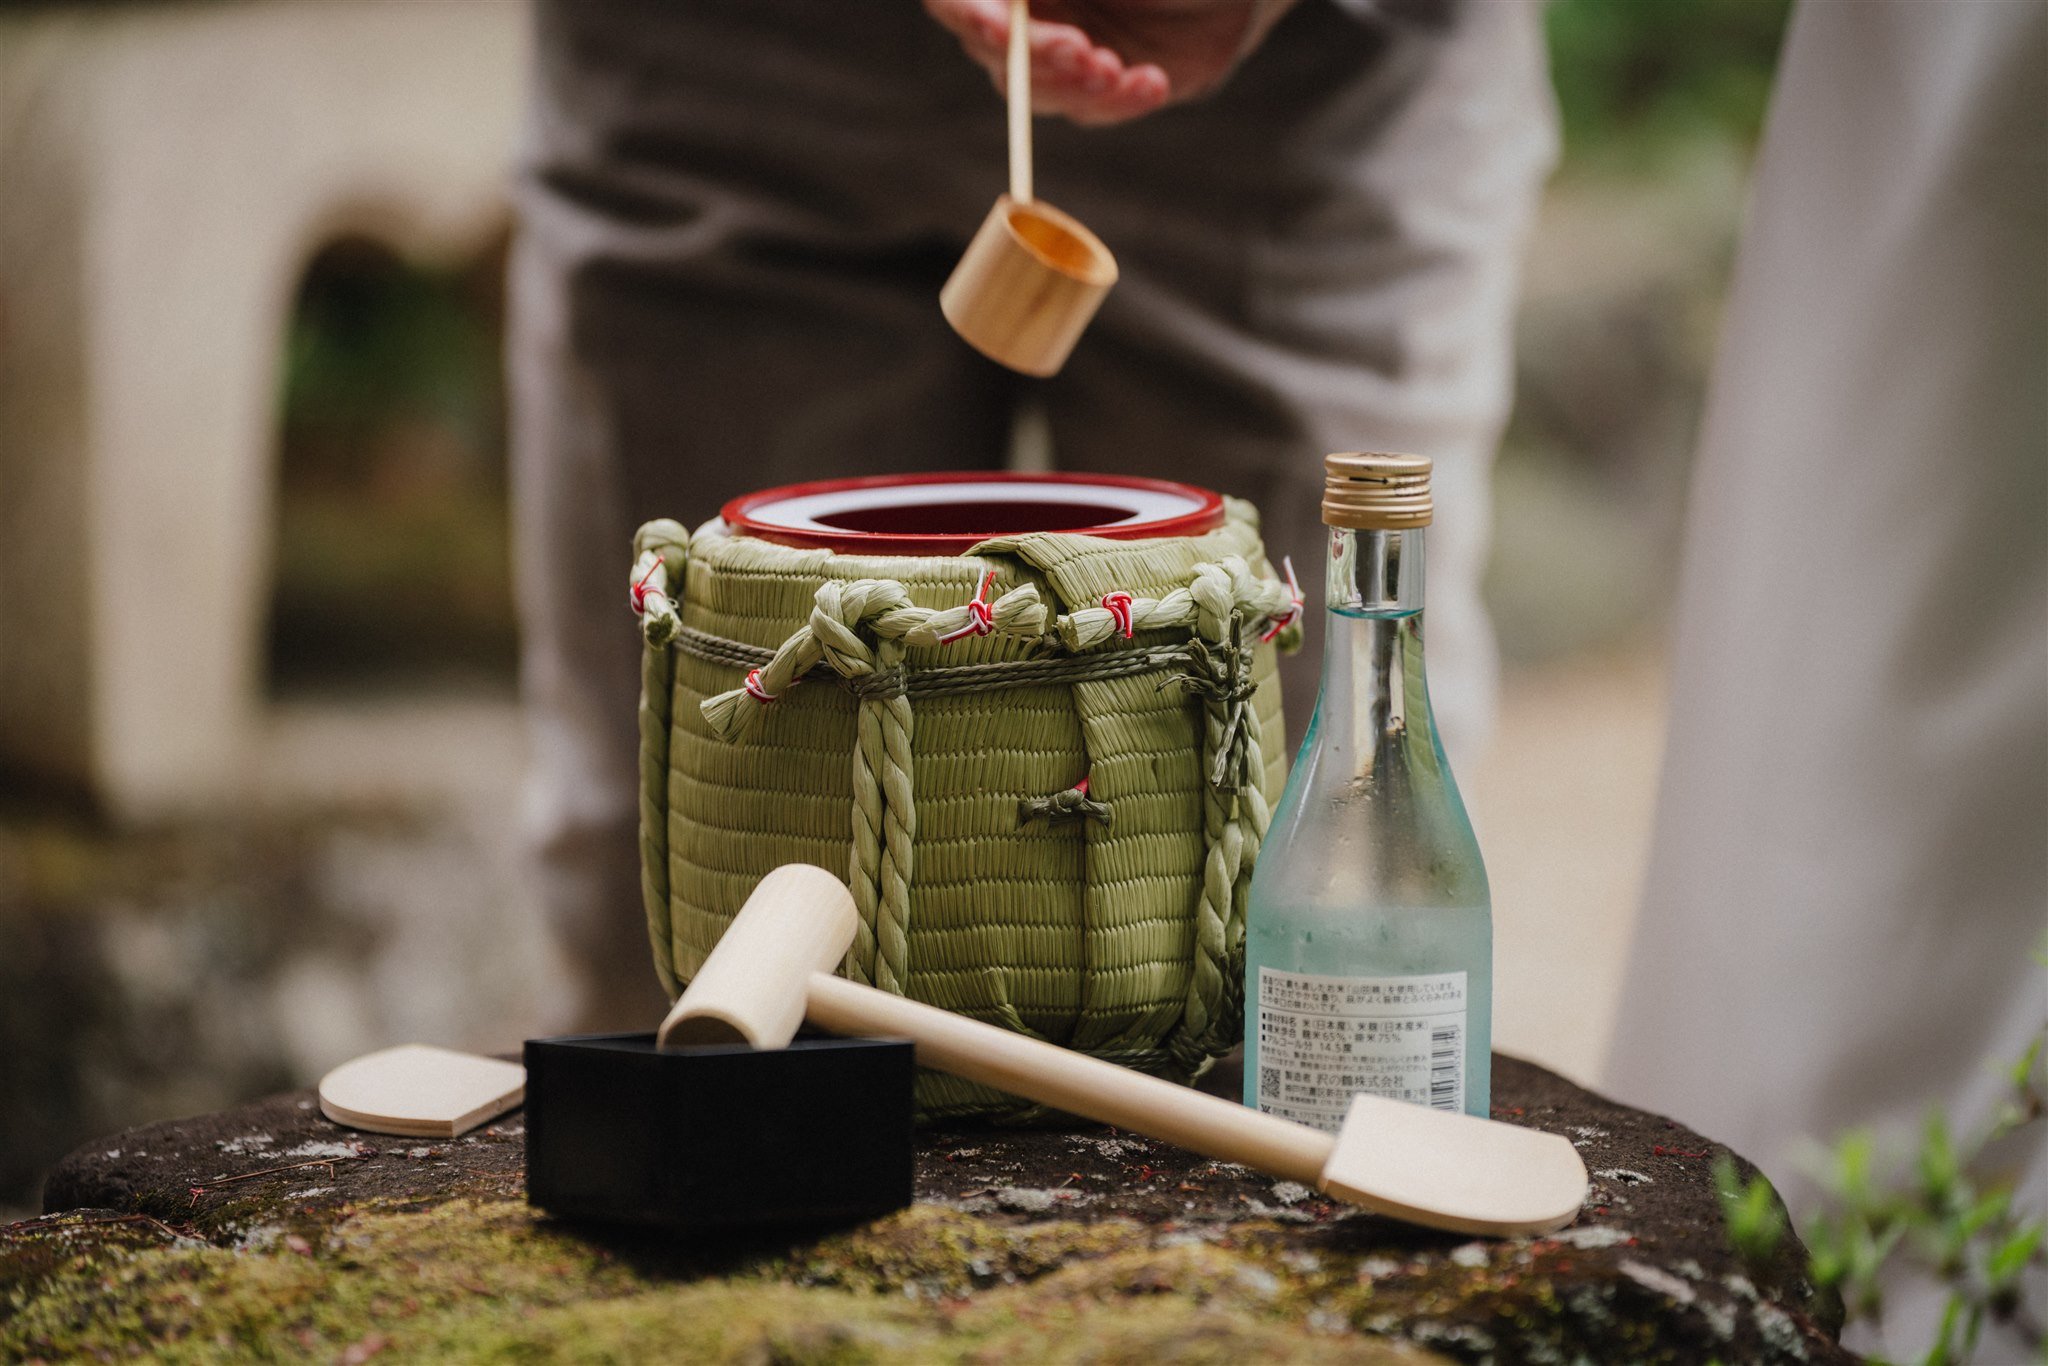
(1850, 870)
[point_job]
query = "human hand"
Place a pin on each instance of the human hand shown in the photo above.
(1108, 61)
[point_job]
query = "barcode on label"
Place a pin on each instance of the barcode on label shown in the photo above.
(1445, 1055)
(1269, 1083)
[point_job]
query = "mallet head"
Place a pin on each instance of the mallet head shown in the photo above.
(753, 986)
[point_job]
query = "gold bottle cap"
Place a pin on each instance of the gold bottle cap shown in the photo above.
(1376, 492)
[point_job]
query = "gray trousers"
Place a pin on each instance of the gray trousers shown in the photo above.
(735, 219)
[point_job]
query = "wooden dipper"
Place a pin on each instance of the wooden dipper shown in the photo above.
(1033, 277)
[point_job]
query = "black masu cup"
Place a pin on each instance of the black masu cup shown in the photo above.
(722, 1137)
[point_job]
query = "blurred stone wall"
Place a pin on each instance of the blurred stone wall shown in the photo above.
(169, 170)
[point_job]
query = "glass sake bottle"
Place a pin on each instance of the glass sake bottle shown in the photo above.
(1369, 929)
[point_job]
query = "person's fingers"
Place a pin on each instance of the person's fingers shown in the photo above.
(982, 24)
(1071, 74)
(1084, 81)
(983, 28)
(1065, 65)
(1140, 91)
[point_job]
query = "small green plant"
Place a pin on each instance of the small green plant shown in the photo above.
(1754, 1214)
(1943, 1213)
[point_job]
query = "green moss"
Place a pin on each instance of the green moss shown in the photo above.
(489, 1281)
(1170, 1329)
(704, 1322)
(939, 1253)
(492, 1281)
(286, 1294)
(33, 1255)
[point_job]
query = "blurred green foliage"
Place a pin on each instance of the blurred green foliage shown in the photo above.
(1663, 102)
(393, 552)
(1949, 1212)
(1755, 1216)
(378, 344)
(1633, 76)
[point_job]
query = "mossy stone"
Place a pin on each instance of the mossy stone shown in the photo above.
(1082, 1245)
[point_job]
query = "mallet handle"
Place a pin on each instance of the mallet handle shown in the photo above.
(1074, 1082)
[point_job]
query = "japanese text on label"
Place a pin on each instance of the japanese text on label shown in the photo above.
(1323, 1040)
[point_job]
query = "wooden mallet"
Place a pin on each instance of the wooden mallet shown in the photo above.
(1033, 277)
(773, 970)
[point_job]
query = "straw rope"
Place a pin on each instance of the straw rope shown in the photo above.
(942, 680)
(1204, 605)
(885, 826)
(1215, 1021)
(1214, 604)
(883, 608)
(1217, 596)
(661, 554)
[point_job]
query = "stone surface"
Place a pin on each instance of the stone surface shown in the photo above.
(267, 1229)
(178, 969)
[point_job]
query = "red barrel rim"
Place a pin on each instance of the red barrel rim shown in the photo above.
(815, 518)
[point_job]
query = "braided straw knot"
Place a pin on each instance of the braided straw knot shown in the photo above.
(661, 549)
(1220, 673)
(1070, 803)
(1205, 605)
(851, 620)
(981, 618)
(640, 590)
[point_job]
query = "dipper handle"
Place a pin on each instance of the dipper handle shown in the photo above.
(1017, 79)
(1075, 1082)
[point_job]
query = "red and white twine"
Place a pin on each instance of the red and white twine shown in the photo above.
(640, 590)
(981, 618)
(1118, 604)
(1293, 612)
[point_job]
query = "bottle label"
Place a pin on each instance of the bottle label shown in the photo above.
(1323, 1040)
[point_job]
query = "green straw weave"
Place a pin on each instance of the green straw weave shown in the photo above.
(944, 778)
